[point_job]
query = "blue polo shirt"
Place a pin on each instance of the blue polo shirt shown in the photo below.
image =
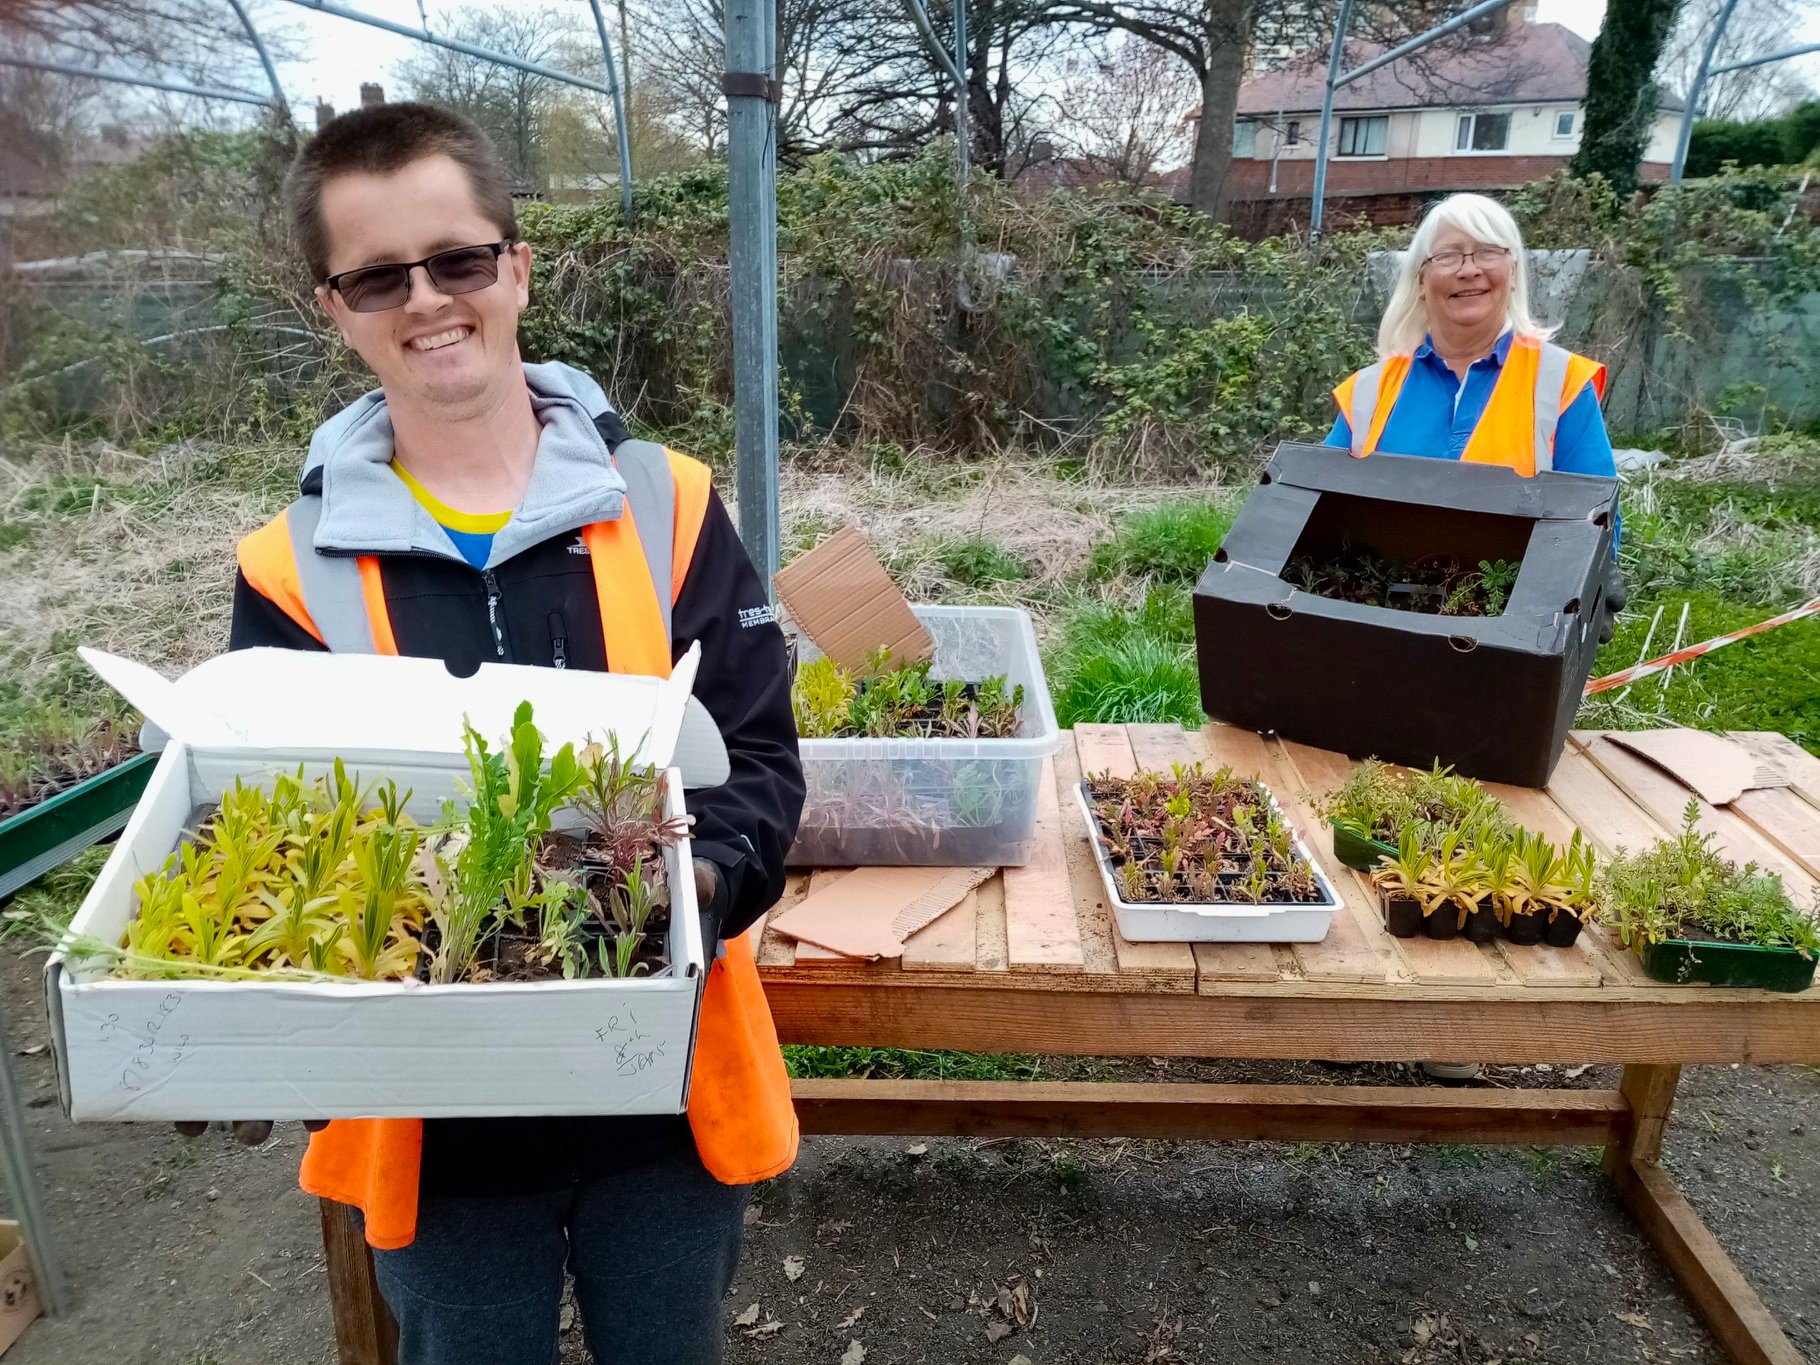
(1435, 415)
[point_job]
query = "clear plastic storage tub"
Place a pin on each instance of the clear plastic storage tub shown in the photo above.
(936, 802)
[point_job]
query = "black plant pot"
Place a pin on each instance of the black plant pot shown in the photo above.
(1481, 923)
(1562, 930)
(1443, 923)
(1402, 915)
(1525, 928)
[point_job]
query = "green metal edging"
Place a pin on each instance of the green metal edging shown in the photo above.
(54, 831)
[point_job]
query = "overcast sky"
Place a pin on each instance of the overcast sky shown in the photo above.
(340, 55)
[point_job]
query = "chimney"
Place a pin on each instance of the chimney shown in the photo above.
(324, 112)
(371, 93)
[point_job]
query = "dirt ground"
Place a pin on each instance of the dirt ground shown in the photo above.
(958, 1251)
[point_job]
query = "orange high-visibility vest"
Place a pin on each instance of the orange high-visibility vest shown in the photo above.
(740, 1111)
(1538, 382)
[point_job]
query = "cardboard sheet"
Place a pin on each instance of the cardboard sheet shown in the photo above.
(1710, 765)
(871, 911)
(841, 598)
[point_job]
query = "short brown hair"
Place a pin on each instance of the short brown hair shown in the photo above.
(377, 141)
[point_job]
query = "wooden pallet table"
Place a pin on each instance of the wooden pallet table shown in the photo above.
(1033, 962)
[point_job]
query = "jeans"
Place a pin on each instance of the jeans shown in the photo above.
(652, 1249)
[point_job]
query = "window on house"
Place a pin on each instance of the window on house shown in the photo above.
(1564, 123)
(1363, 136)
(1244, 138)
(1483, 133)
(1294, 134)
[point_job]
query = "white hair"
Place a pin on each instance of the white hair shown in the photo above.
(1484, 220)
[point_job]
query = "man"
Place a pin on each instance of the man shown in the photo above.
(477, 509)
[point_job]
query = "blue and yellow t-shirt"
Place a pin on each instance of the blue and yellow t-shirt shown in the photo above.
(470, 532)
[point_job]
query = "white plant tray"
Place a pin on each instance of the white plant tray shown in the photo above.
(1213, 921)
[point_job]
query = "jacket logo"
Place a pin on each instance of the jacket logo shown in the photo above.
(580, 547)
(756, 616)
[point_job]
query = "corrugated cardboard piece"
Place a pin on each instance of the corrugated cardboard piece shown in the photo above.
(871, 911)
(841, 597)
(18, 1286)
(1711, 765)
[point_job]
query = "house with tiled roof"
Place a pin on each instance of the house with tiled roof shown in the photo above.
(1487, 111)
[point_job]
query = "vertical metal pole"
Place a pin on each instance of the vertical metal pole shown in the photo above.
(752, 177)
(22, 1181)
(1698, 88)
(619, 115)
(963, 94)
(1335, 60)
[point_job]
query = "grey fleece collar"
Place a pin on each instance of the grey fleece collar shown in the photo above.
(366, 508)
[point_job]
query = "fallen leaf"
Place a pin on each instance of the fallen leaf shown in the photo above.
(1022, 1359)
(855, 1354)
(747, 1318)
(765, 1330)
(1472, 1244)
(794, 1266)
(833, 1230)
(997, 1331)
(920, 1149)
(568, 1316)
(850, 1319)
(753, 1214)
(1637, 1320)
(1004, 1300)
(1573, 1073)
(1020, 1304)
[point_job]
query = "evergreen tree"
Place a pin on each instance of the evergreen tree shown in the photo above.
(1621, 90)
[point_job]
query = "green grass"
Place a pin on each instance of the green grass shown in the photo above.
(975, 562)
(811, 1061)
(1172, 542)
(1124, 666)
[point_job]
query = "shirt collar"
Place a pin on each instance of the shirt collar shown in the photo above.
(1499, 353)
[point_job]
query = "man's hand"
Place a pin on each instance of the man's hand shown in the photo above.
(247, 1132)
(707, 886)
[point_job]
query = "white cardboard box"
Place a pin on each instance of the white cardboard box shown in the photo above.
(271, 1050)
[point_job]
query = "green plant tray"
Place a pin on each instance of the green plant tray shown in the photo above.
(1357, 853)
(54, 831)
(1729, 964)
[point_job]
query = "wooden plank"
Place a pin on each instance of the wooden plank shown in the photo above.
(990, 951)
(1347, 952)
(364, 1331)
(1104, 749)
(948, 943)
(1091, 916)
(1042, 933)
(775, 949)
(1441, 962)
(1744, 1327)
(1786, 821)
(1302, 1019)
(1649, 1094)
(1601, 809)
(1665, 798)
(1245, 1113)
(1795, 763)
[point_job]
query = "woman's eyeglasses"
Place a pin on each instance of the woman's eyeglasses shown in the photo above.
(1484, 257)
(375, 288)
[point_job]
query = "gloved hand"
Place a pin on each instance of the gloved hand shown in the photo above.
(710, 888)
(1617, 597)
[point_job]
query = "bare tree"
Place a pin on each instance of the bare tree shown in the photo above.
(196, 41)
(1127, 110)
(1757, 28)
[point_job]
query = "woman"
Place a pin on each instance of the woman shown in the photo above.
(1464, 371)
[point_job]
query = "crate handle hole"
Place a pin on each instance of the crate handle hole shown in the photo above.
(1572, 608)
(1279, 611)
(1464, 644)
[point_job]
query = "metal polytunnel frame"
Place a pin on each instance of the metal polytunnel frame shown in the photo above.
(1707, 70)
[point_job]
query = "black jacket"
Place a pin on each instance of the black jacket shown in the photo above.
(546, 605)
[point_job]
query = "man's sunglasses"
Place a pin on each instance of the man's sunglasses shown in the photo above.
(461, 270)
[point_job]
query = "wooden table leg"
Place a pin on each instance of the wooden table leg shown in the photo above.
(364, 1331)
(1734, 1314)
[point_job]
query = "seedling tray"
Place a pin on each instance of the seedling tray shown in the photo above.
(1212, 921)
(56, 830)
(1682, 960)
(1359, 853)
(891, 802)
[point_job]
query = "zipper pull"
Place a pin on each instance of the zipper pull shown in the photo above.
(499, 636)
(559, 641)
